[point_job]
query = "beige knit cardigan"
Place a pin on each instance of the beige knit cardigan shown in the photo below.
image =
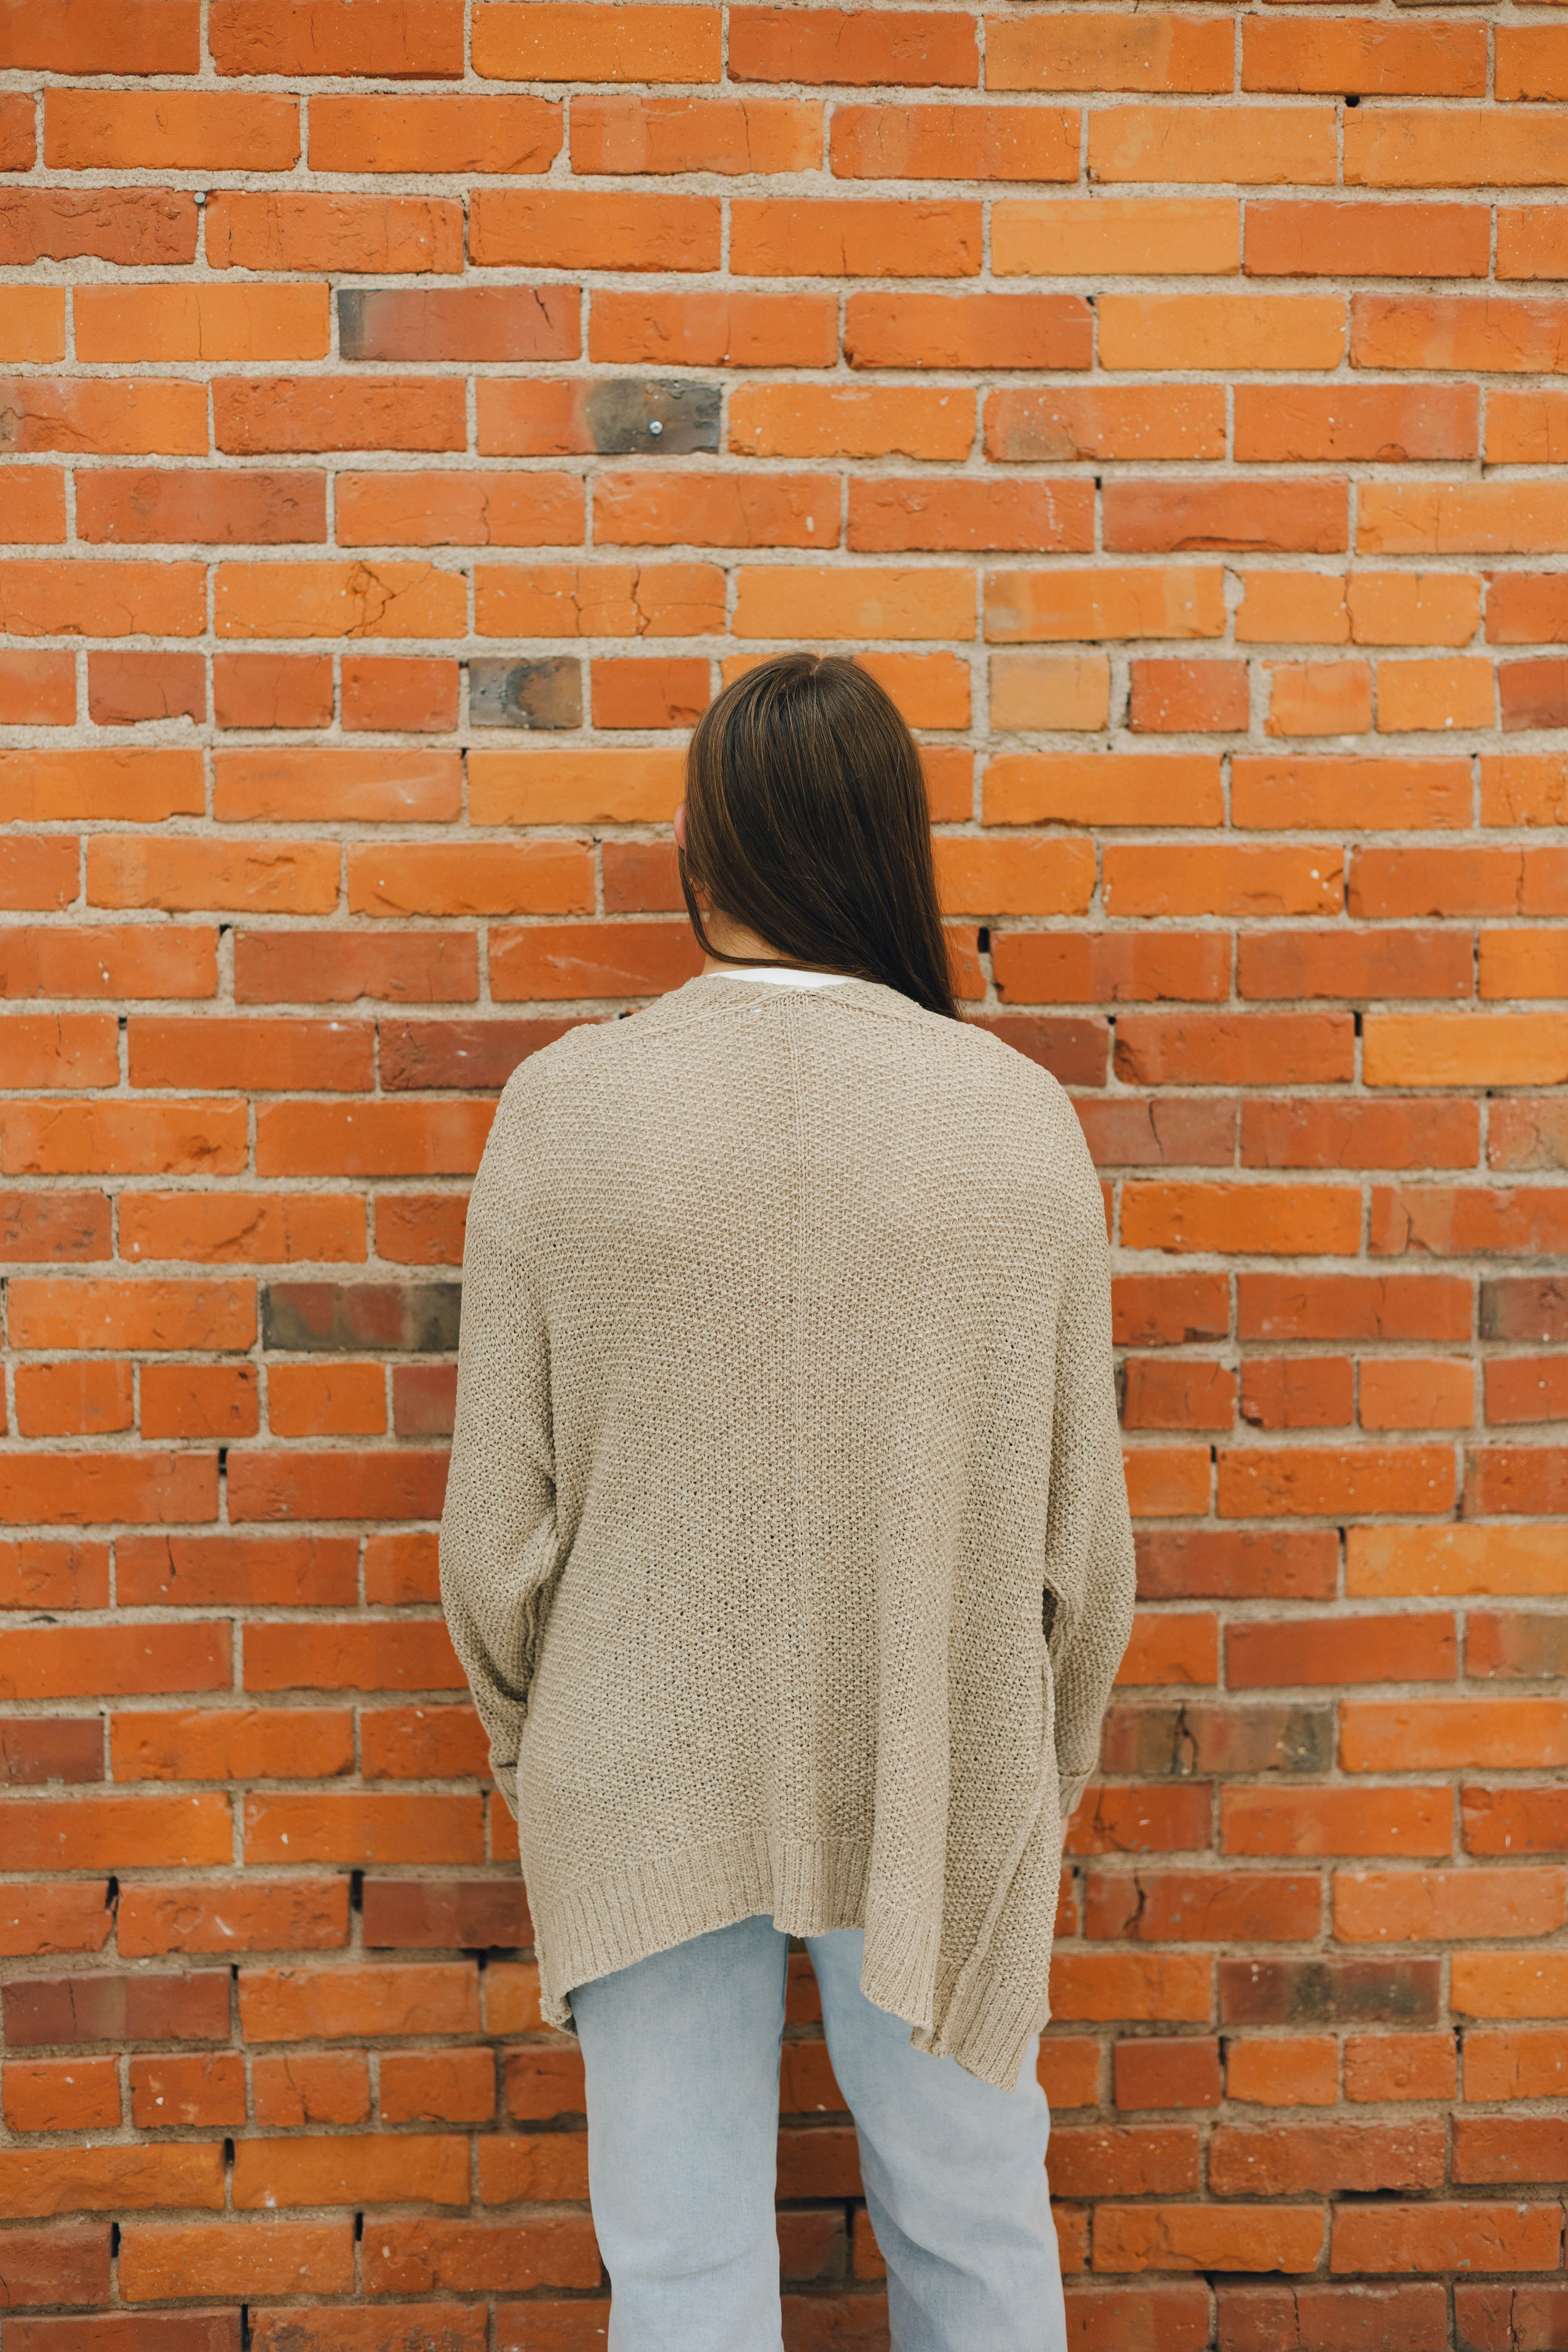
(787, 1545)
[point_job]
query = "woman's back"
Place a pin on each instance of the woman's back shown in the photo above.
(786, 1432)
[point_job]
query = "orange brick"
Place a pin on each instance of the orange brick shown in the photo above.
(1528, 241)
(304, 412)
(108, 130)
(338, 600)
(865, 236)
(389, 39)
(737, 329)
(1387, 422)
(1522, 789)
(592, 230)
(1123, 788)
(1253, 146)
(1426, 695)
(1033, 877)
(342, 233)
(649, 693)
(1496, 334)
(89, 597)
(1075, 237)
(73, 1399)
(490, 877)
(1221, 332)
(1380, 2066)
(1319, 698)
(111, 960)
(598, 599)
(1171, 517)
(1435, 1049)
(370, 133)
(633, 135)
(1094, 52)
(1284, 2070)
(456, 510)
(1437, 1906)
(1228, 878)
(82, 36)
(893, 514)
(1068, 602)
(37, 689)
(1050, 691)
(939, 142)
(1463, 518)
(1179, 698)
(1365, 240)
(179, 322)
(802, 600)
(856, 47)
(968, 330)
(1431, 147)
(1063, 422)
(574, 40)
(61, 2095)
(643, 509)
(1370, 60)
(1199, 2238)
(287, 877)
(930, 690)
(36, 514)
(1442, 2235)
(573, 787)
(1320, 1220)
(786, 420)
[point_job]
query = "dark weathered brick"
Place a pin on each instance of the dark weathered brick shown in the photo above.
(68, 2265)
(51, 1747)
(458, 323)
(1526, 1308)
(531, 694)
(469, 1054)
(325, 1316)
(1330, 1992)
(1198, 1740)
(90, 2008)
(633, 416)
(444, 1914)
(1073, 1050)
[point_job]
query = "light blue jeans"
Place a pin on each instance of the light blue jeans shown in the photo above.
(682, 2059)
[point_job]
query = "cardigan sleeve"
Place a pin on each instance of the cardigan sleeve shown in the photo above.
(499, 1544)
(1088, 1539)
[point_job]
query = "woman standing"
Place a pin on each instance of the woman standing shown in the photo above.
(787, 1545)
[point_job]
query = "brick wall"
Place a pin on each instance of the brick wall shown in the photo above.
(414, 413)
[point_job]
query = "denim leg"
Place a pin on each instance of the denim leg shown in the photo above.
(955, 2178)
(682, 2052)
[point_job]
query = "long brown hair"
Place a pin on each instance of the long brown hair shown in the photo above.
(808, 822)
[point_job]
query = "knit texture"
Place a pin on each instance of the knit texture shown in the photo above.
(786, 1544)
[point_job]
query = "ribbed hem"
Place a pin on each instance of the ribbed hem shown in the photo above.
(587, 1932)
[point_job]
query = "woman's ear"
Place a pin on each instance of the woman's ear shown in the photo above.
(680, 827)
